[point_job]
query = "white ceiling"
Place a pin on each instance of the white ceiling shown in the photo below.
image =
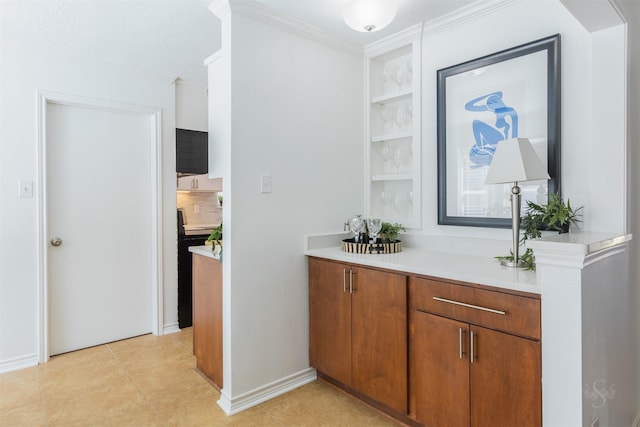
(169, 38)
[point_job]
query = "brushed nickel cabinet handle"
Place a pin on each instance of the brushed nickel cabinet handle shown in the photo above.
(471, 349)
(476, 307)
(350, 281)
(344, 280)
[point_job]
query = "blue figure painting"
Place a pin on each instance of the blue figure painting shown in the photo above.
(488, 135)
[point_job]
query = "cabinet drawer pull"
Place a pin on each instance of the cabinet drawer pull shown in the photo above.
(477, 307)
(344, 280)
(471, 349)
(350, 281)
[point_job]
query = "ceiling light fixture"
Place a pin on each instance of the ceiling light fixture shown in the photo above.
(369, 15)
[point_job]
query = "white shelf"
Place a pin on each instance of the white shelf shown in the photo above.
(393, 97)
(391, 136)
(392, 103)
(392, 177)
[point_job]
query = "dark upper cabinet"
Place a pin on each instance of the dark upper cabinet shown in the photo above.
(192, 152)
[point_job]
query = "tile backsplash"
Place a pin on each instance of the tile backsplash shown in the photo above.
(205, 203)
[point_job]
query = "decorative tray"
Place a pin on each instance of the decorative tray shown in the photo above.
(350, 245)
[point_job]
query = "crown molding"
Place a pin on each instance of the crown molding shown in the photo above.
(220, 8)
(213, 57)
(269, 16)
(453, 19)
(262, 13)
(465, 14)
(401, 38)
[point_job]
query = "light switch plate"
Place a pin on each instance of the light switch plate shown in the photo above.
(265, 183)
(26, 189)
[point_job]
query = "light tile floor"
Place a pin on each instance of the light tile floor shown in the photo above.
(151, 381)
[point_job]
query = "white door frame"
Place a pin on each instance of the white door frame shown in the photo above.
(155, 152)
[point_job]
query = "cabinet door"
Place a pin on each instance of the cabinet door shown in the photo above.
(192, 150)
(208, 184)
(506, 380)
(379, 336)
(441, 371)
(330, 319)
(186, 183)
(207, 316)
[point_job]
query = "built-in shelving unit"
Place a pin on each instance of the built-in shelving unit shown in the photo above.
(393, 129)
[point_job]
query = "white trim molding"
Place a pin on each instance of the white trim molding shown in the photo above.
(464, 14)
(17, 363)
(232, 405)
(267, 15)
(171, 328)
(401, 38)
(157, 286)
(213, 57)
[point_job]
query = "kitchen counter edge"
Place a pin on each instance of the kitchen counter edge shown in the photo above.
(463, 265)
(475, 269)
(204, 251)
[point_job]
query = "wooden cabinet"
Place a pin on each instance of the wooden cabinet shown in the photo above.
(207, 317)
(475, 356)
(357, 329)
(330, 319)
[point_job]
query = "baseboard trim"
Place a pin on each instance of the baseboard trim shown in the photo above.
(18, 363)
(233, 405)
(170, 328)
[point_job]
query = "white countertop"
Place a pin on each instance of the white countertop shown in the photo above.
(204, 251)
(482, 269)
(583, 243)
(462, 259)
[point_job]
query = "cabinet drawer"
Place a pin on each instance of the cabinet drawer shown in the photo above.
(496, 310)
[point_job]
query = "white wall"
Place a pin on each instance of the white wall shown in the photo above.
(605, 325)
(23, 72)
(631, 9)
(592, 170)
(296, 113)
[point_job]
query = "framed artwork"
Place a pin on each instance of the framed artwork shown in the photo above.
(508, 94)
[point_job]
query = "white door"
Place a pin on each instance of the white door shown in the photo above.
(98, 203)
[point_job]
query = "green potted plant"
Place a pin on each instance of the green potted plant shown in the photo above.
(389, 232)
(216, 238)
(554, 216)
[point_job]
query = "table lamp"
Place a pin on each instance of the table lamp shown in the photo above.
(515, 161)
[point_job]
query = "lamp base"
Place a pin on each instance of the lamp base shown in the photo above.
(512, 264)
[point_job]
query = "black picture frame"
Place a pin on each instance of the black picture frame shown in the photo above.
(521, 71)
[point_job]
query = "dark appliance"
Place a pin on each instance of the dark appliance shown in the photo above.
(184, 271)
(192, 152)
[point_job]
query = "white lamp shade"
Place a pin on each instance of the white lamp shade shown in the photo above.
(369, 15)
(515, 160)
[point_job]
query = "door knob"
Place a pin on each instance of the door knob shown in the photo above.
(56, 241)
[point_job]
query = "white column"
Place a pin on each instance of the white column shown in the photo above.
(582, 277)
